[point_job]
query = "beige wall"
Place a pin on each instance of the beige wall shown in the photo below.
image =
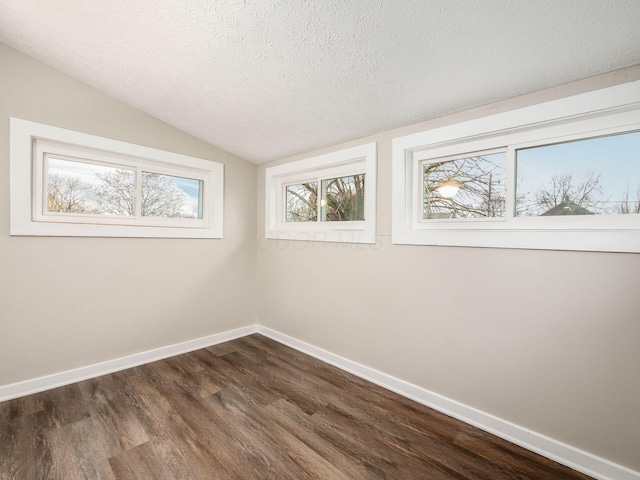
(548, 340)
(71, 302)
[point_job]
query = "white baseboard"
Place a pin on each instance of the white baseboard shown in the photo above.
(55, 380)
(572, 457)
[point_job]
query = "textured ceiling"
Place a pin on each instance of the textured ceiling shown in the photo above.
(268, 78)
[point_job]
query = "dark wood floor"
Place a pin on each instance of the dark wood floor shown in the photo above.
(249, 409)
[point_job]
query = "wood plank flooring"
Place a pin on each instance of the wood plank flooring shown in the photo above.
(249, 409)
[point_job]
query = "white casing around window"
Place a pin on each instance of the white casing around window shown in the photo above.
(346, 162)
(31, 142)
(601, 112)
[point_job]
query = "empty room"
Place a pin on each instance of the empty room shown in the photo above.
(334, 239)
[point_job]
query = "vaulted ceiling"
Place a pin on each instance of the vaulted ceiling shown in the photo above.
(268, 78)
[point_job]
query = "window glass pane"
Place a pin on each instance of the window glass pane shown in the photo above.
(468, 187)
(302, 202)
(84, 188)
(593, 176)
(171, 197)
(343, 199)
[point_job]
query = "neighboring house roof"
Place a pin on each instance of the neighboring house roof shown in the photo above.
(567, 207)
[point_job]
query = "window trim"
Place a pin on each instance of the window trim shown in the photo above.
(610, 110)
(346, 162)
(28, 140)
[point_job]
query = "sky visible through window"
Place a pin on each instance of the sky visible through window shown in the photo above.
(82, 171)
(601, 175)
(78, 187)
(190, 189)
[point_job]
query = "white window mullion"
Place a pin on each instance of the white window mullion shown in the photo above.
(511, 184)
(137, 203)
(39, 184)
(322, 197)
(417, 201)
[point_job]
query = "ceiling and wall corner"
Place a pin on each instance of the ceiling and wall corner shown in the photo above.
(265, 79)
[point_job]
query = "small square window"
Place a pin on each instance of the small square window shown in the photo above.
(302, 202)
(169, 196)
(342, 199)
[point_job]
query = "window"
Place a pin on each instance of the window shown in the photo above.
(326, 198)
(66, 183)
(302, 202)
(466, 187)
(591, 176)
(341, 200)
(560, 175)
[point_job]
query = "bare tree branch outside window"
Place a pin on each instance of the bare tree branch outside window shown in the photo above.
(592, 176)
(115, 192)
(84, 188)
(302, 202)
(66, 194)
(482, 187)
(343, 199)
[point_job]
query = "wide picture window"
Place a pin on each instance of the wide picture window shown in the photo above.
(72, 184)
(562, 175)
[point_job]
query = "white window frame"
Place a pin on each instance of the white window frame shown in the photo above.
(351, 161)
(601, 112)
(32, 143)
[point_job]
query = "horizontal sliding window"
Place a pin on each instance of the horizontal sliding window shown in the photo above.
(82, 185)
(326, 198)
(560, 175)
